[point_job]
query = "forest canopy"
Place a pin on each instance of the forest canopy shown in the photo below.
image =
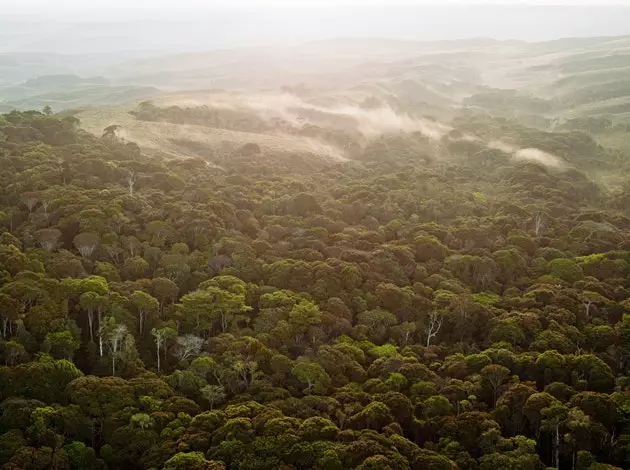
(398, 310)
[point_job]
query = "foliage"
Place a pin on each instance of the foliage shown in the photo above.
(392, 312)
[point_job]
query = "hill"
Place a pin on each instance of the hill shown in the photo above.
(419, 261)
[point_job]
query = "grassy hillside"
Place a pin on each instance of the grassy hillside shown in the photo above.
(62, 92)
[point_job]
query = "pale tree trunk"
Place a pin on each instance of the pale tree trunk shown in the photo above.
(131, 181)
(587, 306)
(100, 339)
(435, 323)
(91, 324)
(157, 343)
(539, 224)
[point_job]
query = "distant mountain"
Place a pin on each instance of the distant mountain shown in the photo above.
(143, 26)
(55, 81)
(62, 92)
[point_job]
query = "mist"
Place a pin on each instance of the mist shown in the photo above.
(171, 27)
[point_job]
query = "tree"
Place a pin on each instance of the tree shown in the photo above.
(302, 316)
(495, 376)
(312, 375)
(10, 310)
(86, 243)
(378, 323)
(554, 417)
(405, 332)
(534, 406)
(48, 238)
(511, 264)
(35, 458)
(433, 327)
(540, 223)
(509, 409)
(161, 337)
(428, 248)
(83, 457)
(144, 305)
(211, 305)
(374, 416)
(135, 267)
(246, 371)
(30, 199)
(565, 269)
(213, 394)
(159, 231)
(91, 301)
(188, 346)
(100, 398)
(13, 353)
(590, 298)
(164, 290)
(114, 336)
(192, 461)
(142, 420)
(62, 344)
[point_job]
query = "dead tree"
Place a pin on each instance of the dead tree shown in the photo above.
(435, 323)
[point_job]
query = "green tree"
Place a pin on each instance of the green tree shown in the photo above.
(204, 308)
(213, 394)
(144, 305)
(192, 461)
(312, 375)
(161, 337)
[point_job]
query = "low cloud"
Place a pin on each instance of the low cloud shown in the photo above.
(537, 155)
(528, 154)
(502, 146)
(370, 122)
(349, 117)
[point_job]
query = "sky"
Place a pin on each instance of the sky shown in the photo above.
(172, 26)
(50, 7)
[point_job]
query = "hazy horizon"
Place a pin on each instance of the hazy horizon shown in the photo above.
(190, 26)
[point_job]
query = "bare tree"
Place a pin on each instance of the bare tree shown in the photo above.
(188, 346)
(115, 339)
(104, 327)
(131, 181)
(540, 223)
(435, 323)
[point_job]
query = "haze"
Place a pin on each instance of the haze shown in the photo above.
(167, 26)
